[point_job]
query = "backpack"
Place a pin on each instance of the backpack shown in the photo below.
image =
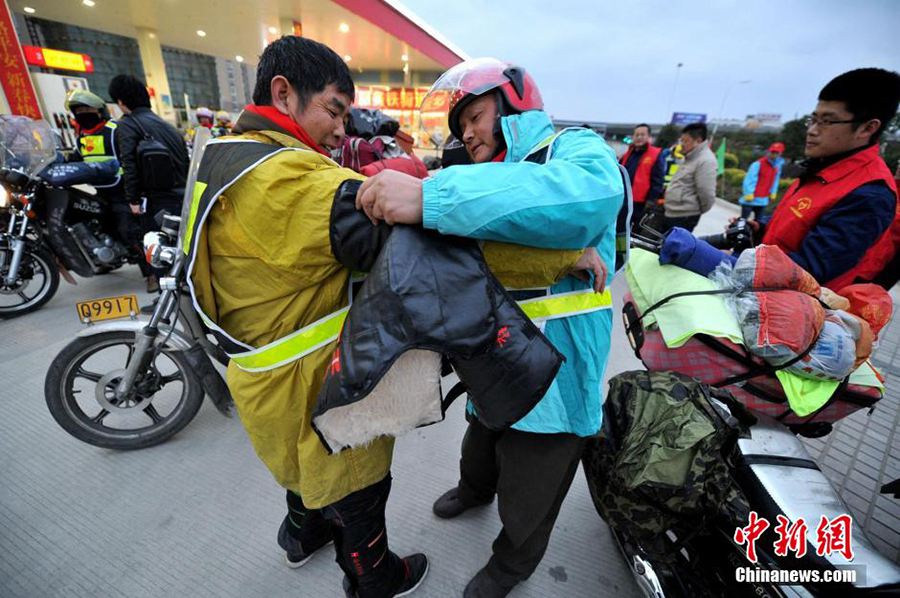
(660, 460)
(156, 169)
(370, 156)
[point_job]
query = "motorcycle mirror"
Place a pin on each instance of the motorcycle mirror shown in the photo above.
(170, 224)
(160, 217)
(15, 178)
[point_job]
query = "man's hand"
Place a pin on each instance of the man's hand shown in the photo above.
(590, 261)
(391, 196)
(135, 208)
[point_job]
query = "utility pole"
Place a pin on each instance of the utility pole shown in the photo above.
(722, 107)
(674, 88)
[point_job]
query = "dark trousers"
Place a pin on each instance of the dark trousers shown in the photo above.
(757, 211)
(356, 524)
(130, 231)
(531, 475)
(637, 212)
(686, 222)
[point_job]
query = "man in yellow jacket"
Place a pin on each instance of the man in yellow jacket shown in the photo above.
(263, 276)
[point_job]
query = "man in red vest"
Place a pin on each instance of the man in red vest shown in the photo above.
(645, 169)
(840, 219)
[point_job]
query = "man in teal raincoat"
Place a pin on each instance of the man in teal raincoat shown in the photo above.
(527, 186)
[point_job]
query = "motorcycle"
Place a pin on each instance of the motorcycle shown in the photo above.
(778, 477)
(129, 384)
(48, 231)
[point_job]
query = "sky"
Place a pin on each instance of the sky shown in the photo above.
(615, 61)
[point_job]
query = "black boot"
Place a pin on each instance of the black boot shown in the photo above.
(450, 505)
(296, 555)
(415, 568)
(485, 586)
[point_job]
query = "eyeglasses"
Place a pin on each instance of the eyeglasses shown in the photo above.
(809, 121)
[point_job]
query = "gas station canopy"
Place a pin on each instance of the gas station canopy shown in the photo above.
(374, 34)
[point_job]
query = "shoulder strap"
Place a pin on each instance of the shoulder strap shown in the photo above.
(140, 127)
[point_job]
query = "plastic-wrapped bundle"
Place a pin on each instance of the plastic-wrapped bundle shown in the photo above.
(786, 319)
(833, 357)
(777, 324)
(871, 303)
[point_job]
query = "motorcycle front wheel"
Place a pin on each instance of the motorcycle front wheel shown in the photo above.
(80, 393)
(36, 281)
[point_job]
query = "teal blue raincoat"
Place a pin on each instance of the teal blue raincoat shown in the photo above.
(571, 202)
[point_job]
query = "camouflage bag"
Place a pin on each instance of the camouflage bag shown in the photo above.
(659, 462)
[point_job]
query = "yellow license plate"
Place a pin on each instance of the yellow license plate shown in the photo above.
(108, 308)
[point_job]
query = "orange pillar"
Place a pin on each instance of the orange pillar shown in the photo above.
(14, 77)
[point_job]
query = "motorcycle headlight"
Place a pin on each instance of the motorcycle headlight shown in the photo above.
(5, 198)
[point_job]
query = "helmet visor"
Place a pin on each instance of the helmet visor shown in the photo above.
(472, 77)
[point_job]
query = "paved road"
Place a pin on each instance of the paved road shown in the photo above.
(197, 515)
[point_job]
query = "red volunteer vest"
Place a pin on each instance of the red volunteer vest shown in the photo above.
(765, 179)
(640, 186)
(803, 205)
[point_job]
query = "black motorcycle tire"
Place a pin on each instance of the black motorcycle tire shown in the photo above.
(72, 419)
(44, 259)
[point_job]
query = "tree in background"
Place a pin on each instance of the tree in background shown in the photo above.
(667, 136)
(890, 149)
(793, 135)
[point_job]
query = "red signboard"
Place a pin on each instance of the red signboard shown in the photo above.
(14, 76)
(58, 59)
(389, 98)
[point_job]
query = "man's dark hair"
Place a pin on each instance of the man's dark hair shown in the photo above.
(696, 130)
(868, 93)
(649, 130)
(131, 90)
(307, 65)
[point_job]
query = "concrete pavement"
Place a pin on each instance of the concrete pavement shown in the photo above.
(197, 515)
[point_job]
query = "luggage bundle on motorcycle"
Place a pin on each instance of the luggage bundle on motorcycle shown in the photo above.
(677, 469)
(660, 462)
(677, 320)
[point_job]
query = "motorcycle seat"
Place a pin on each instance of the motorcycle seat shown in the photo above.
(779, 477)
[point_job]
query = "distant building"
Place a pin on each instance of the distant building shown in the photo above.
(599, 127)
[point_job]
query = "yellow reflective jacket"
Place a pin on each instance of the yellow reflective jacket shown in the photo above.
(264, 268)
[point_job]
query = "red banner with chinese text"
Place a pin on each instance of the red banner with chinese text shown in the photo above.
(389, 98)
(14, 77)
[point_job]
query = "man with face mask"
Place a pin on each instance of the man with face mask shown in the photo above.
(97, 143)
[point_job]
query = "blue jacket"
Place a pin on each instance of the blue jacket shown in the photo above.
(750, 179)
(571, 202)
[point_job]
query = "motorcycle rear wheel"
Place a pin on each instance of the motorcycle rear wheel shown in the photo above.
(38, 268)
(149, 416)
